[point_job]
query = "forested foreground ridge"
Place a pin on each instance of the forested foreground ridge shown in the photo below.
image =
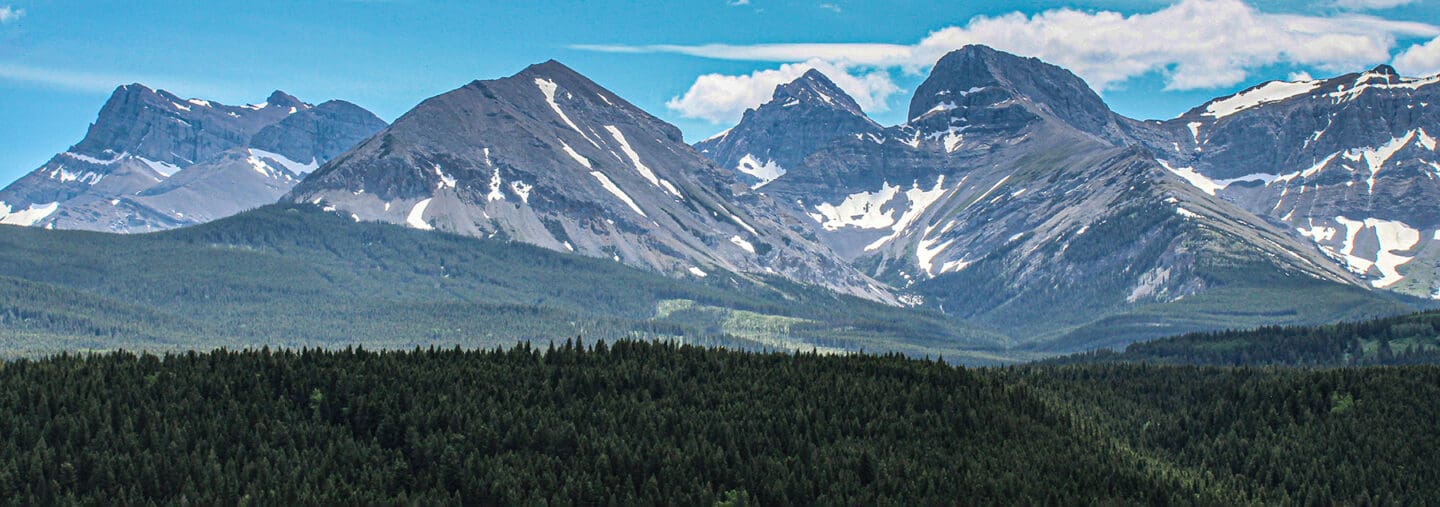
(1403, 340)
(636, 423)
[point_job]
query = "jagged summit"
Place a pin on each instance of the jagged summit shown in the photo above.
(980, 88)
(816, 89)
(153, 160)
(1385, 70)
(801, 117)
(284, 100)
(551, 68)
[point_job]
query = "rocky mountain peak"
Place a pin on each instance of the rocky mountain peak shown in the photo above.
(154, 160)
(803, 116)
(1385, 70)
(994, 90)
(281, 99)
(815, 89)
(550, 158)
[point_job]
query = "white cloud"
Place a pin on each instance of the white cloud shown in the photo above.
(722, 99)
(80, 81)
(8, 13)
(831, 7)
(1195, 44)
(1371, 4)
(91, 82)
(1301, 75)
(737, 2)
(1420, 59)
(858, 54)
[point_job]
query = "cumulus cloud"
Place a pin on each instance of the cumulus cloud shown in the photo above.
(1197, 44)
(1193, 44)
(8, 13)
(720, 98)
(1419, 59)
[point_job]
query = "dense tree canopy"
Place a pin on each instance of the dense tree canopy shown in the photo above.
(642, 423)
(1402, 340)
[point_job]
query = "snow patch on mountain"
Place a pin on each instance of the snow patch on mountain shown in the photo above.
(1210, 186)
(926, 250)
(744, 245)
(640, 167)
(576, 156)
(495, 185)
(548, 88)
(1376, 157)
(614, 189)
(765, 172)
(1392, 236)
(522, 190)
(165, 169)
(920, 200)
(296, 168)
(1376, 81)
(1313, 170)
(87, 177)
(416, 218)
(1274, 91)
(861, 210)
(26, 217)
(93, 160)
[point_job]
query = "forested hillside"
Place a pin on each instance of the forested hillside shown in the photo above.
(294, 276)
(1407, 339)
(635, 423)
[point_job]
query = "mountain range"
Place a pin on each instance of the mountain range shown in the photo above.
(1012, 203)
(548, 157)
(1348, 163)
(154, 161)
(1013, 196)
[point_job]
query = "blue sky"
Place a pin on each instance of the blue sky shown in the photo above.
(696, 63)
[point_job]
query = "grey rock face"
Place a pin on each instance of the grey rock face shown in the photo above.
(320, 133)
(1013, 196)
(148, 148)
(1349, 163)
(983, 89)
(550, 158)
(803, 116)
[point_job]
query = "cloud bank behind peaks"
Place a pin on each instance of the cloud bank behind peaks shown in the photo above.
(1193, 44)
